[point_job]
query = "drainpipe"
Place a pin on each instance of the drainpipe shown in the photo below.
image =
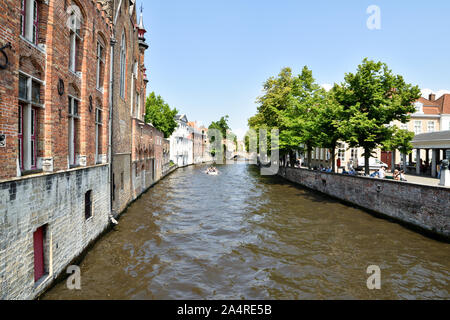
(111, 110)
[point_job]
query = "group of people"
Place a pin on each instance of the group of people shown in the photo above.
(212, 170)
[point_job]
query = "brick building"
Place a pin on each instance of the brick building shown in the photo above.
(54, 113)
(73, 140)
(166, 156)
(197, 142)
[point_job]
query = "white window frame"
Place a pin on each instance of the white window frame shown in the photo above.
(123, 58)
(98, 132)
(100, 65)
(341, 152)
(75, 35)
(73, 116)
(28, 152)
(431, 127)
(418, 127)
(30, 20)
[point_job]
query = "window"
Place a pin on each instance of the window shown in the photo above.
(100, 65)
(121, 181)
(354, 154)
(123, 57)
(29, 104)
(29, 20)
(98, 134)
(341, 152)
(138, 105)
(23, 17)
(88, 205)
(431, 126)
(404, 126)
(73, 126)
(418, 127)
(75, 42)
(419, 107)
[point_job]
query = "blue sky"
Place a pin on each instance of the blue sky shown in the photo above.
(209, 58)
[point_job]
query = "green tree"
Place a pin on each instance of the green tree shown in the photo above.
(273, 107)
(401, 141)
(160, 115)
(223, 127)
(372, 98)
(328, 120)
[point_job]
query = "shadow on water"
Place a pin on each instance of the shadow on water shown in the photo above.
(242, 236)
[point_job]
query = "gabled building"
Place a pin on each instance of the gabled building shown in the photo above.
(181, 143)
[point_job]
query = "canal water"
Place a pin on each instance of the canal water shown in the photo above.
(242, 236)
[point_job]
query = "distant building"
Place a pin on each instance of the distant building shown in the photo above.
(72, 91)
(432, 115)
(166, 156)
(197, 140)
(181, 143)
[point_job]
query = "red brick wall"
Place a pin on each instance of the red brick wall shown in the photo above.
(51, 63)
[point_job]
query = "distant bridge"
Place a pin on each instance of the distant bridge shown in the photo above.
(241, 155)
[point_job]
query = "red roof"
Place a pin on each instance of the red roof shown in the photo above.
(438, 106)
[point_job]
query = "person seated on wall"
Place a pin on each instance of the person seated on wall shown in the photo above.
(397, 175)
(402, 176)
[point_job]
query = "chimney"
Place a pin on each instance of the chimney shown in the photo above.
(432, 97)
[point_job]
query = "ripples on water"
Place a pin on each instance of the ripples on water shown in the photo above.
(242, 236)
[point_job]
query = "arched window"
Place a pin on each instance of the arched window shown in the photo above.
(101, 54)
(123, 58)
(75, 25)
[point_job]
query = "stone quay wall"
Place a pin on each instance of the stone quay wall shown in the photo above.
(56, 201)
(424, 207)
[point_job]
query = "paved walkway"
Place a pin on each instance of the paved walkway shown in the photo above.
(423, 180)
(428, 181)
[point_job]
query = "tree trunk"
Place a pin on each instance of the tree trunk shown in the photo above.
(309, 157)
(292, 158)
(404, 162)
(366, 161)
(333, 159)
(393, 160)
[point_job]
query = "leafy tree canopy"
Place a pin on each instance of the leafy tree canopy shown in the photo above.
(160, 115)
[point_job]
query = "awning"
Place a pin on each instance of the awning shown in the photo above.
(432, 140)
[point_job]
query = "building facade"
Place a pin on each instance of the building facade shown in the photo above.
(197, 143)
(166, 156)
(432, 115)
(54, 127)
(74, 144)
(181, 143)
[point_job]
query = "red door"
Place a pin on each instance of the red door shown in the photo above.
(38, 254)
(386, 157)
